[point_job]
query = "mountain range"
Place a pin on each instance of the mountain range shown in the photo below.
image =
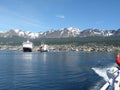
(61, 33)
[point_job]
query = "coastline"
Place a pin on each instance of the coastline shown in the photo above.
(58, 48)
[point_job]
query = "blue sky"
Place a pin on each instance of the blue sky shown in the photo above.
(43, 15)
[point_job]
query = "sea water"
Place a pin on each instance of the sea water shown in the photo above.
(54, 70)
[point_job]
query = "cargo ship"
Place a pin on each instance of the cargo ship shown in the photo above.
(27, 46)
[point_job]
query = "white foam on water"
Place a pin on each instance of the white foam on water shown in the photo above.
(101, 72)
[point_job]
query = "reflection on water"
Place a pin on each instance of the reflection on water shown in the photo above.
(44, 56)
(27, 56)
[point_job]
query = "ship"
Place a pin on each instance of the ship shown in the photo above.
(43, 48)
(113, 74)
(27, 46)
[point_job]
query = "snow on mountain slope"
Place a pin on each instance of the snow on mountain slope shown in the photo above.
(61, 33)
(2, 31)
(26, 34)
(70, 32)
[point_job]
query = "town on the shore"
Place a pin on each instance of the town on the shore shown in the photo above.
(67, 48)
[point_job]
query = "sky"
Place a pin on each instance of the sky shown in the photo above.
(44, 15)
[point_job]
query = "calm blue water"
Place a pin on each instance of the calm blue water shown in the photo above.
(53, 70)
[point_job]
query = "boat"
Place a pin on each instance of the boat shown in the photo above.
(114, 79)
(27, 46)
(43, 48)
(113, 74)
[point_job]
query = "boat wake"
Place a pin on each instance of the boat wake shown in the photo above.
(101, 72)
(97, 86)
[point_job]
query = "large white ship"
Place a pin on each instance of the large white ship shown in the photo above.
(27, 46)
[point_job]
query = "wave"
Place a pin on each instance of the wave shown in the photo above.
(97, 86)
(102, 71)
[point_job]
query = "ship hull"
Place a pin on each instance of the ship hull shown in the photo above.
(43, 50)
(27, 50)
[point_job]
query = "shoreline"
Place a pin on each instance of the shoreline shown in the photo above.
(68, 48)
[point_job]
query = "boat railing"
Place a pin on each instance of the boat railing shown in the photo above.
(110, 84)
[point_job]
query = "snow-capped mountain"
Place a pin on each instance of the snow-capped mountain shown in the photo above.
(20, 33)
(61, 33)
(96, 32)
